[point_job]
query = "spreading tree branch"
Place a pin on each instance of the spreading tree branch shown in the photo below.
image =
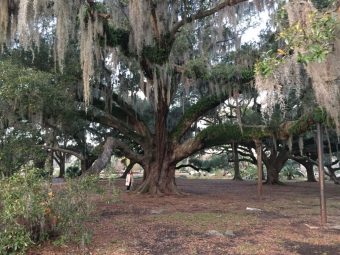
(194, 112)
(193, 167)
(76, 154)
(96, 115)
(202, 14)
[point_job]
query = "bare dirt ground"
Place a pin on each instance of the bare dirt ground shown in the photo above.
(212, 218)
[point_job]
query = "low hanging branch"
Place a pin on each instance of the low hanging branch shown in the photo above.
(76, 154)
(193, 167)
(226, 133)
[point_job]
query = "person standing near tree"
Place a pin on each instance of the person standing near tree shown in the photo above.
(129, 180)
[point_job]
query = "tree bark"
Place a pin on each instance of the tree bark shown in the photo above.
(310, 172)
(61, 163)
(159, 166)
(101, 162)
(159, 179)
(309, 168)
(128, 169)
(50, 163)
(332, 175)
(237, 174)
(60, 158)
(274, 163)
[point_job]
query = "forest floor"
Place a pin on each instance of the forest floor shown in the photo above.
(215, 216)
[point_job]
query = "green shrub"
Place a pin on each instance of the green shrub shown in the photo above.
(14, 239)
(250, 173)
(72, 207)
(30, 212)
(23, 199)
(290, 171)
(72, 172)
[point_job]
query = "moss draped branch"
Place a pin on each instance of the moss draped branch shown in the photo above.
(301, 125)
(202, 14)
(227, 133)
(136, 119)
(194, 112)
(219, 135)
(123, 114)
(109, 120)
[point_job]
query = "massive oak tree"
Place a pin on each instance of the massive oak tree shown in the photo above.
(174, 48)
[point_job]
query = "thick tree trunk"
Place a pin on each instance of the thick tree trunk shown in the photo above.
(310, 171)
(274, 164)
(237, 174)
(159, 168)
(159, 179)
(62, 166)
(272, 175)
(101, 162)
(309, 168)
(50, 163)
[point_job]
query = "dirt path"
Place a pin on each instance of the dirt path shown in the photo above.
(213, 219)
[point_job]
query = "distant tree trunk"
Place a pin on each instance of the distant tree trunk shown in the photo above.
(237, 174)
(50, 163)
(60, 158)
(274, 163)
(332, 175)
(310, 171)
(101, 162)
(86, 163)
(272, 175)
(83, 166)
(128, 169)
(62, 166)
(309, 168)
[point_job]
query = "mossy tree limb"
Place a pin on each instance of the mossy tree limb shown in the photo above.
(219, 135)
(300, 126)
(194, 112)
(125, 115)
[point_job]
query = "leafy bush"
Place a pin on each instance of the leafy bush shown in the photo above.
(214, 163)
(31, 212)
(249, 173)
(72, 207)
(23, 199)
(14, 239)
(290, 171)
(72, 172)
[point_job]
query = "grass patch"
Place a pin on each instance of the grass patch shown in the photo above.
(203, 221)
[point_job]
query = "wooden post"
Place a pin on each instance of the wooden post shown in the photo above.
(323, 214)
(258, 145)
